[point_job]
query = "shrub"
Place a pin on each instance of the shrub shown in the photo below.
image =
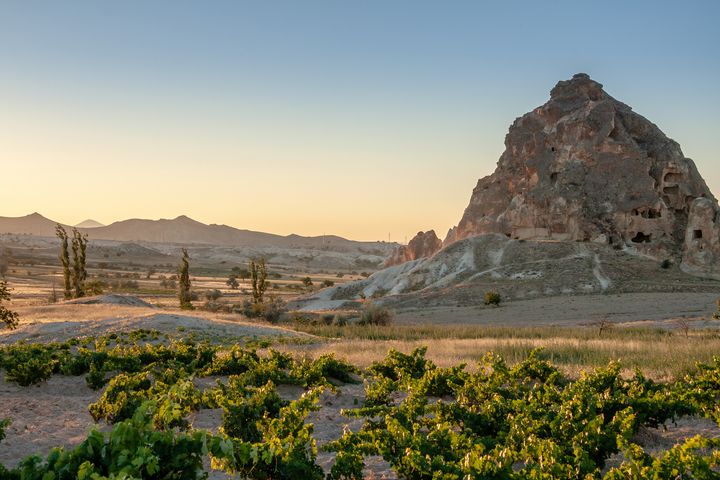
(125, 393)
(213, 295)
(246, 409)
(492, 298)
(380, 292)
(232, 282)
(375, 315)
(93, 287)
(665, 264)
(271, 311)
(8, 317)
(213, 306)
(34, 370)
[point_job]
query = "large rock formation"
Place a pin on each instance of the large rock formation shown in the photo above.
(585, 167)
(422, 245)
(586, 198)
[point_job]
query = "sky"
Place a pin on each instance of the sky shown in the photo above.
(370, 120)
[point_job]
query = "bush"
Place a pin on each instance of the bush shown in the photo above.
(213, 295)
(376, 315)
(380, 292)
(271, 311)
(95, 287)
(8, 317)
(328, 283)
(213, 306)
(34, 370)
(492, 298)
(241, 415)
(665, 264)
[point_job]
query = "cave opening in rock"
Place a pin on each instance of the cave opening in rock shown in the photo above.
(646, 213)
(697, 234)
(673, 177)
(640, 237)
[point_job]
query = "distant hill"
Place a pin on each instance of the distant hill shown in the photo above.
(33, 224)
(184, 230)
(89, 223)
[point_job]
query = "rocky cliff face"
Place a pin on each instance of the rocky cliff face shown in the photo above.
(422, 245)
(585, 167)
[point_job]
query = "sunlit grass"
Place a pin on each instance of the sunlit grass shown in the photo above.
(660, 354)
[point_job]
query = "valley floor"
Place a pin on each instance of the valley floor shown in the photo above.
(663, 334)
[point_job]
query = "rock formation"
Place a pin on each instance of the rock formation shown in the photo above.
(422, 245)
(585, 167)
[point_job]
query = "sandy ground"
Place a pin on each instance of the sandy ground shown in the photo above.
(62, 321)
(649, 309)
(53, 413)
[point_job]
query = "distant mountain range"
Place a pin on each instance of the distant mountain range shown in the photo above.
(89, 223)
(182, 230)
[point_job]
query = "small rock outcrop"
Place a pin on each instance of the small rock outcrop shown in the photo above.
(585, 167)
(422, 245)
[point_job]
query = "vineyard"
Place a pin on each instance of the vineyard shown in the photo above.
(488, 421)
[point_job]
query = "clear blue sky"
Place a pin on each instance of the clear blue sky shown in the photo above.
(354, 118)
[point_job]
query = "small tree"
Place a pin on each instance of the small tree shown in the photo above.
(79, 246)
(64, 259)
(53, 298)
(492, 298)
(213, 295)
(683, 324)
(8, 317)
(602, 325)
(241, 273)
(184, 282)
(232, 282)
(307, 281)
(258, 277)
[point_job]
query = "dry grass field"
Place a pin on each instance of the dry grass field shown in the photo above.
(664, 334)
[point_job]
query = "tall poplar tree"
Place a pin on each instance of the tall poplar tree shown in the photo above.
(79, 247)
(184, 282)
(64, 259)
(258, 276)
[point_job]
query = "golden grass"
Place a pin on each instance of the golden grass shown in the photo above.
(661, 357)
